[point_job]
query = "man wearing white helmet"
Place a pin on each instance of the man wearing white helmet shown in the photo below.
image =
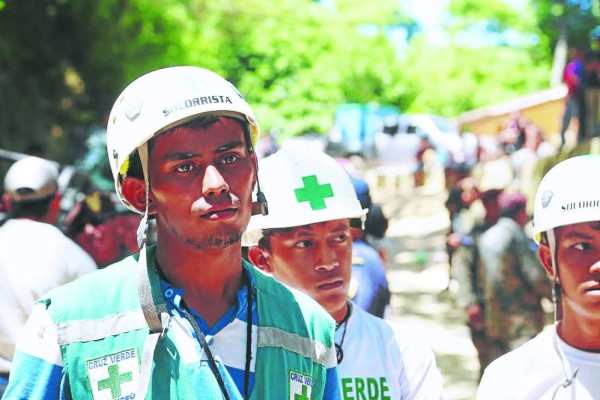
(35, 256)
(305, 243)
(562, 362)
(186, 318)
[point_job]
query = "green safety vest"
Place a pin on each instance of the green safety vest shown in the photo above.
(100, 317)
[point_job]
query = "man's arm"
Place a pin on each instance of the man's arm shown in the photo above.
(37, 370)
(463, 271)
(332, 387)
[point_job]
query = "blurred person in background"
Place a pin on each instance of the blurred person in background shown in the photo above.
(94, 224)
(35, 256)
(467, 271)
(460, 198)
(535, 147)
(563, 361)
(305, 243)
(512, 280)
(369, 287)
(513, 135)
(574, 77)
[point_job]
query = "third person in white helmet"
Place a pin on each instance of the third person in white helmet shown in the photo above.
(305, 242)
(562, 362)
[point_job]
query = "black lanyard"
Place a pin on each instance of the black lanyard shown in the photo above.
(206, 348)
(339, 352)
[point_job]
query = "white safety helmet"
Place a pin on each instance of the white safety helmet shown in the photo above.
(163, 99)
(302, 187)
(31, 178)
(567, 195)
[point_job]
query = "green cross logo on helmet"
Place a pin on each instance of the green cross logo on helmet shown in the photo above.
(313, 192)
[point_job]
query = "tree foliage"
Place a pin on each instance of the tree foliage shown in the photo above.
(63, 62)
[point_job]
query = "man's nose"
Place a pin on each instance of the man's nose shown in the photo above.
(327, 259)
(595, 269)
(213, 182)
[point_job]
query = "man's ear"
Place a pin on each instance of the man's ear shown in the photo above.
(261, 258)
(6, 202)
(545, 257)
(134, 191)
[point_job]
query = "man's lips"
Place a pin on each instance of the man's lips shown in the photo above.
(221, 214)
(593, 288)
(330, 285)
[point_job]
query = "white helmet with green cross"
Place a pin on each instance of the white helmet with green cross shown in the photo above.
(302, 187)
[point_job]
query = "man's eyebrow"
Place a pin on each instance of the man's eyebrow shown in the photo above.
(577, 235)
(234, 144)
(308, 230)
(179, 156)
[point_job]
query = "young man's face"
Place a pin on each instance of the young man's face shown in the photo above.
(578, 259)
(201, 181)
(316, 259)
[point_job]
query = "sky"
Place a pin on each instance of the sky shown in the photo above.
(430, 15)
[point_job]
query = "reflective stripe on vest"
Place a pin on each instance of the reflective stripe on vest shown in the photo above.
(317, 352)
(87, 330)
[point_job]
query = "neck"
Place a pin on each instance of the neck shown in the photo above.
(342, 314)
(210, 279)
(580, 331)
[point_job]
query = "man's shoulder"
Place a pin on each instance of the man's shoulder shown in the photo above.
(537, 352)
(384, 330)
(502, 232)
(98, 284)
(531, 370)
(363, 250)
(34, 228)
(281, 295)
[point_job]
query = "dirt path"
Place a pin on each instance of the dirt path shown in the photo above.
(418, 275)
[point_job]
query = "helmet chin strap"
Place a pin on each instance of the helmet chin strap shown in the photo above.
(556, 289)
(142, 231)
(156, 315)
(260, 206)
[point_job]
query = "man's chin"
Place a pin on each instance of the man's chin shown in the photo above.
(216, 242)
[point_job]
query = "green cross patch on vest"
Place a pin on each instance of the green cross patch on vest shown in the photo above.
(300, 386)
(115, 376)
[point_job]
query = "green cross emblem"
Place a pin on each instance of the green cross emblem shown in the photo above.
(114, 380)
(313, 192)
(304, 395)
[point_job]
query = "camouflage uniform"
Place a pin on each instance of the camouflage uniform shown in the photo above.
(467, 271)
(514, 284)
(497, 269)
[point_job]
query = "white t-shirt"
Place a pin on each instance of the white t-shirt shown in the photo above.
(381, 362)
(34, 258)
(535, 371)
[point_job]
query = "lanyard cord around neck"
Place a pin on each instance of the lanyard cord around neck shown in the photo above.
(211, 360)
(339, 352)
(569, 377)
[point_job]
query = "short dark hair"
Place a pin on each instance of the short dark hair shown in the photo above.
(265, 240)
(512, 211)
(36, 209)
